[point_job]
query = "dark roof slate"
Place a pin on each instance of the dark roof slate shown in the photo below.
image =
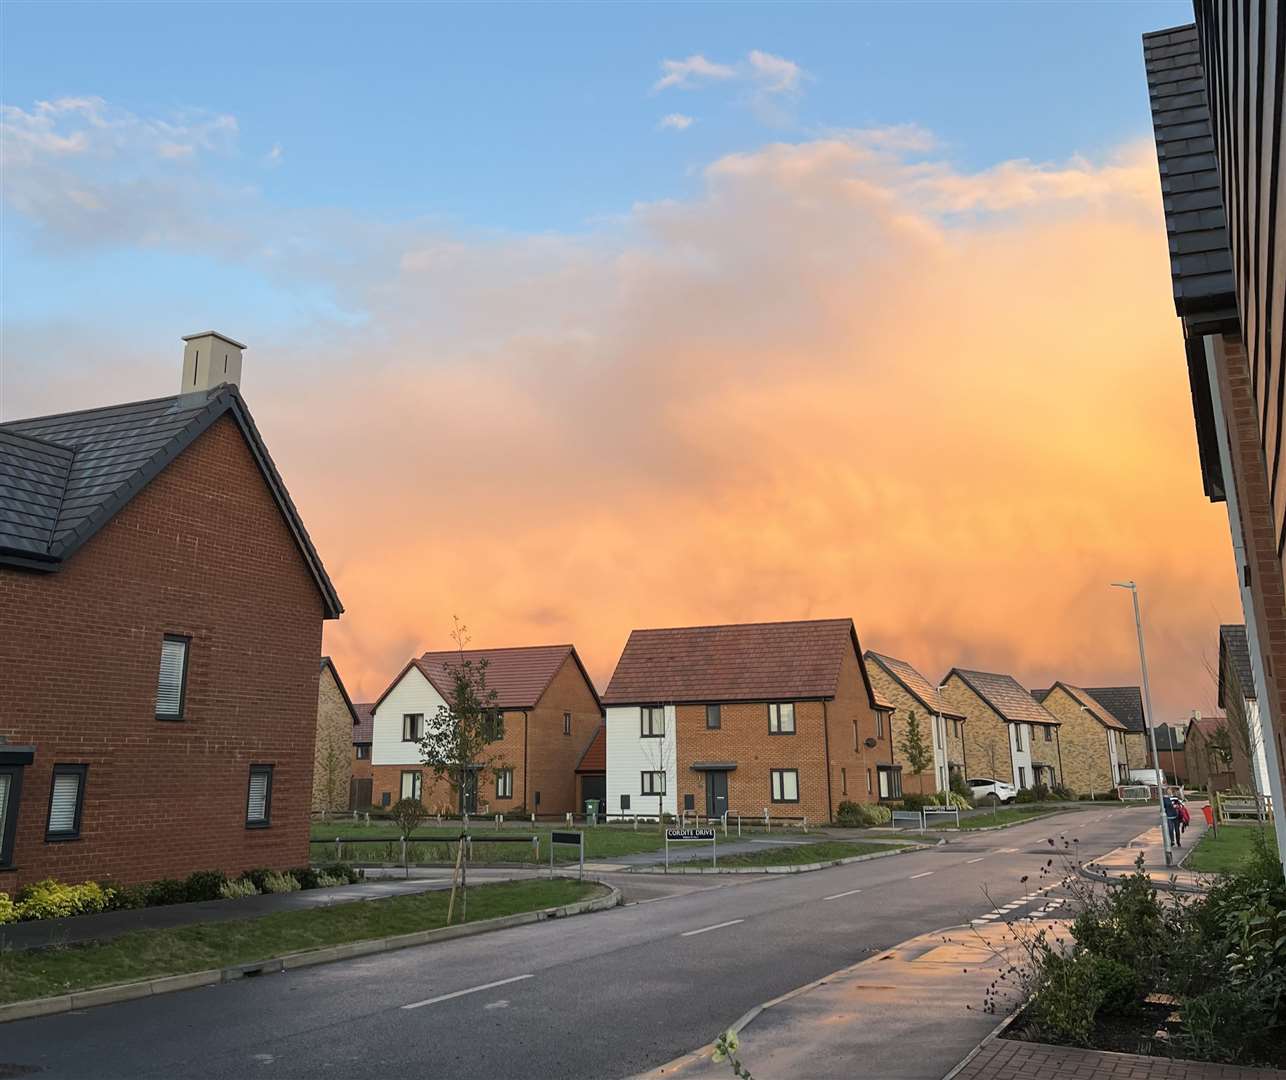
(1123, 702)
(741, 662)
(62, 477)
(364, 729)
(914, 684)
(1006, 696)
(1234, 660)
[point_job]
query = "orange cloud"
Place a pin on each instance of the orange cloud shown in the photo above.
(843, 380)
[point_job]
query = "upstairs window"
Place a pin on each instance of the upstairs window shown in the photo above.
(879, 724)
(66, 798)
(714, 718)
(362, 751)
(412, 727)
(652, 783)
(1018, 736)
(567, 723)
(652, 722)
(1049, 732)
(781, 718)
(259, 798)
(172, 678)
(493, 726)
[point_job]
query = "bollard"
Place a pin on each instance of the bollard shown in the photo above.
(535, 850)
(636, 823)
(498, 817)
(738, 826)
(338, 857)
(569, 817)
(767, 821)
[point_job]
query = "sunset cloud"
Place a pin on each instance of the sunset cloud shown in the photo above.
(693, 71)
(775, 74)
(841, 379)
(676, 121)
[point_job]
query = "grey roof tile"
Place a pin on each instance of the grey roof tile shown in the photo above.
(1123, 702)
(1006, 695)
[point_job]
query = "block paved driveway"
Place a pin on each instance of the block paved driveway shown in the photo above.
(1003, 1059)
(589, 998)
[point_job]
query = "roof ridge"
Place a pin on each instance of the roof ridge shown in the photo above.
(729, 626)
(498, 648)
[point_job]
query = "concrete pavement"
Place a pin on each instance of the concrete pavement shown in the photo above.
(613, 994)
(1123, 861)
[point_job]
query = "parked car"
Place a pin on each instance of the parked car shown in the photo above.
(983, 786)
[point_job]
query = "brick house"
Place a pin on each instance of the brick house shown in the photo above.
(1126, 704)
(360, 795)
(332, 753)
(161, 610)
(908, 692)
(745, 718)
(1238, 701)
(1008, 734)
(1090, 740)
(1210, 767)
(548, 714)
(1173, 754)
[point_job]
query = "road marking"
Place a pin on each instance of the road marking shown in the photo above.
(914, 876)
(841, 895)
(471, 990)
(1005, 851)
(978, 859)
(707, 929)
(987, 918)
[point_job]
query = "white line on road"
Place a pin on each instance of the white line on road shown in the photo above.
(471, 990)
(978, 859)
(914, 876)
(841, 895)
(707, 929)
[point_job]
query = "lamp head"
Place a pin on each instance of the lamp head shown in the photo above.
(1123, 585)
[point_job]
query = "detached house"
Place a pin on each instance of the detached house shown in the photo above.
(1214, 759)
(1126, 704)
(161, 609)
(942, 728)
(547, 714)
(332, 754)
(1090, 740)
(1008, 734)
(745, 718)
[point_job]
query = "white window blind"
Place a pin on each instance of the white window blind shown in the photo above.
(257, 806)
(785, 785)
(169, 683)
(62, 806)
(5, 781)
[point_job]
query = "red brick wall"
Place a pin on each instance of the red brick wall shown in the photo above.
(201, 550)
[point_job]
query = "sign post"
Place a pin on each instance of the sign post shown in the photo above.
(574, 838)
(684, 836)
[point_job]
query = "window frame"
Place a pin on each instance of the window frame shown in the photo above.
(1049, 732)
(504, 775)
(879, 723)
(894, 775)
(178, 717)
(715, 713)
(411, 716)
(10, 828)
(567, 723)
(493, 724)
(1018, 738)
(648, 730)
(417, 785)
(643, 787)
(774, 711)
(80, 771)
(361, 752)
(266, 821)
(775, 784)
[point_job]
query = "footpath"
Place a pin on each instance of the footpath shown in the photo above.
(1123, 861)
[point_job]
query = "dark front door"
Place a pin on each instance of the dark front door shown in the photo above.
(359, 793)
(716, 793)
(593, 786)
(469, 796)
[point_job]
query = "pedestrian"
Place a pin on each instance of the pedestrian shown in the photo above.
(1185, 816)
(1172, 819)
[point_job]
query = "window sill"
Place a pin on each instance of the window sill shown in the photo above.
(170, 719)
(60, 838)
(258, 824)
(783, 733)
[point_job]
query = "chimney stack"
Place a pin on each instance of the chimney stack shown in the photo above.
(210, 360)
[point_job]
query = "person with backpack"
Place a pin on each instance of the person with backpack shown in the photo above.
(1172, 819)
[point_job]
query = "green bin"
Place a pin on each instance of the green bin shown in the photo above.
(591, 809)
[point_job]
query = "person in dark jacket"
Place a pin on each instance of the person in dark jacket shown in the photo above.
(1172, 819)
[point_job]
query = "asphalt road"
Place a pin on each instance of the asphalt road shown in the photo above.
(593, 997)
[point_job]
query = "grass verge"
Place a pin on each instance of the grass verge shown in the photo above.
(1006, 815)
(799, 854)
(433, 844)
(1228, 851)
(148, 954)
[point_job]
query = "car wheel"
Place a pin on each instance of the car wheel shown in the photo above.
(1011, 798)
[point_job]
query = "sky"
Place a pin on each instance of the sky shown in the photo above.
(569, 319)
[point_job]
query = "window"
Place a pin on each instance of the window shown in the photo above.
(362, 751)
(879, 724)
(652, 721)
(781, 719)
(259, 798)
(843, 781)
(785, 785)
(1022, 776)
(505, 784)
(955, 729)
(10, 788)
(66, 798)
(653, 783)
(412, 727)
(172, 678)
(410, 785)
(890, 781)
(714, 717)
(938, 724)
(1018, 736)
(856, 742)
(567, 723)
(869, 789)
(1049, 732)
(493, 725)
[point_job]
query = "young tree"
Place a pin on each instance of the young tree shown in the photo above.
(334, 766)
(408, 815)
(918, 753)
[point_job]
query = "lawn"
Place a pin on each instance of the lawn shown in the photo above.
(150, 953)
(1227, 851)
(431, 844)
(1005, 815)
(799, 854)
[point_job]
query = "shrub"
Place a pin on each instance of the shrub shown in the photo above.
(165, 891)
(1063, 793)
(204, 885)
(8, 909)
(279, 883)
(951, 798)
(1071, 991)
(408, 815)
(326, 881)
(341, 872)
(959, 786)
(259, 875)
(1231, 1024)
(306, 876)
(128, 897)
(237, 888)
(1025, 795)
(861, 815)
(916, 802)
(50, 899)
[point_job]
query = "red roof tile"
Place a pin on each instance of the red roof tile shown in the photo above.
(742, 662)
(518, 675)
(364, 729)
(595, 757)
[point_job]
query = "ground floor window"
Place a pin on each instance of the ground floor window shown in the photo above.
(363, 752)
(259, 797)
(890, 781)
(10, 787)
(1022, 776)
(505, 784)
(785, 785)
(410, 785)
(652, 783)
(66, 799)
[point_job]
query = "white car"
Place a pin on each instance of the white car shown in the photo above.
(981, 787)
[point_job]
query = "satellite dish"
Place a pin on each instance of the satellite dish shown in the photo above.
(870, 743)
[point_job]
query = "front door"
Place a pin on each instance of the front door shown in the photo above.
(716, 793)
(469, 796)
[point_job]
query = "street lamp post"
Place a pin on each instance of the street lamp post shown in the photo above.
(1147, 716)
